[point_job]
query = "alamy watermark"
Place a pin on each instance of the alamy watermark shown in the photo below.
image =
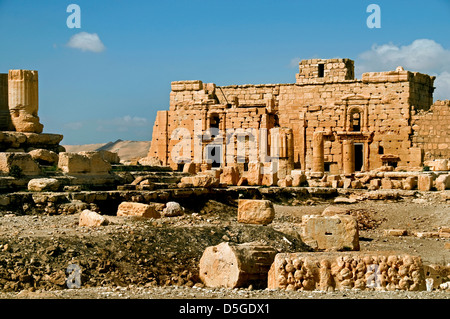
(74, 19)
(374, 19)
(233, 145)
(73, 279)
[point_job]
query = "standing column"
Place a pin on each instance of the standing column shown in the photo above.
(23, 100)
(348, 157)
(318, 153)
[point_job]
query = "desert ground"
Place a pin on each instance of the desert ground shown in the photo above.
(136, 258)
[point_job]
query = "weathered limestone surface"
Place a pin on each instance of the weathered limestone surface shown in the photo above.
(83, 163)
(23, 161)
(234, 266)
(425, 182)
(254, 211)
(337, 232)
(443, 182)
(44, 156)
(137, 210)
(327, 121)
(89, 218)
(43, 184)
(230, 175)
(347, 270)
(335, 210)
(23, 100)
(173, 209)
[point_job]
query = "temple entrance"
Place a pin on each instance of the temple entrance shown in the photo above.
(359, 157)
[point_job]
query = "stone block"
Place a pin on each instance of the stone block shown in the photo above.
(43, 184)
(425, 182)
(242, 181)
(375, 184)
(337, 232)
(202, 180)
(173, 209)
(190, 168)
(137, 210)
(230, 175)
(285, 182)
(44, 157)
(410, 183)
(254, 176)
(386, 183)
(335, 210)
(443, 182)
(298, 178)
(110, 157)
(150, 161)
(23, 161)
(83, 163)
(254, 211)
(396, 232)
(89, 218)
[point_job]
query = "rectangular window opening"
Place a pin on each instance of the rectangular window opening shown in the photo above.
(321, 70)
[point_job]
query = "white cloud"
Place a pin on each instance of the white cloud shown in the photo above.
(73, 125)
(442, 84)
(422, 55)
(86, 42)
(121, 124)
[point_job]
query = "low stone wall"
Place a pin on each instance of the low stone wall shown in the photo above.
(352, 270)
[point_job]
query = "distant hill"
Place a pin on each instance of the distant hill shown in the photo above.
(127, 150)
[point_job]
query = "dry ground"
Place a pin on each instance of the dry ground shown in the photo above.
(134, 258)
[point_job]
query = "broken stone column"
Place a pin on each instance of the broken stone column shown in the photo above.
(282, 148)
(233, 266)
(23, 100)
(348, 159)
(318, 153)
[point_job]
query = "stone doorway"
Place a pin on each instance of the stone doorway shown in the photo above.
(359, 157)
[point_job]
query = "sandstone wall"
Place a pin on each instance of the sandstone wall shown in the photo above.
(431, 130)
(381, 104)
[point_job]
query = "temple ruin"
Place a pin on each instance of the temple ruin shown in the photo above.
(326, 122)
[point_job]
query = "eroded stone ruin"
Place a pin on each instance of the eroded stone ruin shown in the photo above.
(326, 122)
(324, 136)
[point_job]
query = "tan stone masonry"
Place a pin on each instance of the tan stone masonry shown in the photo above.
(331, 122)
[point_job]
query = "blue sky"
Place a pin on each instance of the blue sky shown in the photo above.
(112, 86)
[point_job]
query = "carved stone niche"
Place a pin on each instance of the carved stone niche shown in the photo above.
(356, 112)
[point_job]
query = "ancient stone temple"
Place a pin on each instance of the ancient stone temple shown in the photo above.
(20, 129)
(327, 121)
